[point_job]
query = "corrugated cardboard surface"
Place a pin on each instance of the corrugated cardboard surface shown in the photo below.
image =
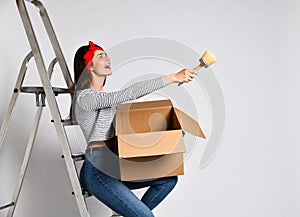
(145, 105)
(151, 167)
(143, 120)
(151, 144)
(150, 140)
(188, 124)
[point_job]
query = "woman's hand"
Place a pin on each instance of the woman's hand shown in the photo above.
(183, 76)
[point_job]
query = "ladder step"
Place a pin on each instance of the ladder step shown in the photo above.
(67, 122)
(7, 206)
(76, 157)
(85, 194)
(40, 90)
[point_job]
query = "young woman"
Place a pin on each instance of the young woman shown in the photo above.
(95, 112)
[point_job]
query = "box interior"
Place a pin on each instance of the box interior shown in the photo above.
(148, 120)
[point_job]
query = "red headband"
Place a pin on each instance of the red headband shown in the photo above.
(88, 56)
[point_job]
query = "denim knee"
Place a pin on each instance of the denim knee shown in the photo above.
(172, 181)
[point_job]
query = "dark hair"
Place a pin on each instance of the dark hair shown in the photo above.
(82, 76)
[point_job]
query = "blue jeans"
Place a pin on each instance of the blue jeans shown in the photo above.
(117, 194)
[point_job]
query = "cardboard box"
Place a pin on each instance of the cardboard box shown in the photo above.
(150, 139)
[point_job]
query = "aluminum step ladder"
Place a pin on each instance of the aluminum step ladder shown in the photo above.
(43, 93)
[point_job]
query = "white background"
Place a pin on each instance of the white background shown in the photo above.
(256, 170)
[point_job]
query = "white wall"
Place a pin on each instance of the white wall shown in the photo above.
(256, 170)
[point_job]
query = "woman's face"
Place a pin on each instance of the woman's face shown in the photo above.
(101, 63)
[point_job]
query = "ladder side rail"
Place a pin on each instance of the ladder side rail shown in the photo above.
(54, 42)
(29, 149)
(53, 108)
(25, 162)
(14, 97)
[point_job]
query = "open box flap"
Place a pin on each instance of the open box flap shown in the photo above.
(188, 124)
(150, 144)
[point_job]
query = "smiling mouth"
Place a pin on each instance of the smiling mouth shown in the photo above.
(107, 67)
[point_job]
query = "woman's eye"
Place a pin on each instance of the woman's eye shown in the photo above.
(102, 55)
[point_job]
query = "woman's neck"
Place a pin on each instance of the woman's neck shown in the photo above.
(97, 83)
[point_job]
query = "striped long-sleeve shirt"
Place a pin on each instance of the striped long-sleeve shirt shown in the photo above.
(95, 111)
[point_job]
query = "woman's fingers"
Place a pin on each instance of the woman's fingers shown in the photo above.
(186, 75)
(190, 74)
(192, 71)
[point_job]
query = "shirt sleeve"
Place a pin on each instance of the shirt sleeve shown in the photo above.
(93, 100)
